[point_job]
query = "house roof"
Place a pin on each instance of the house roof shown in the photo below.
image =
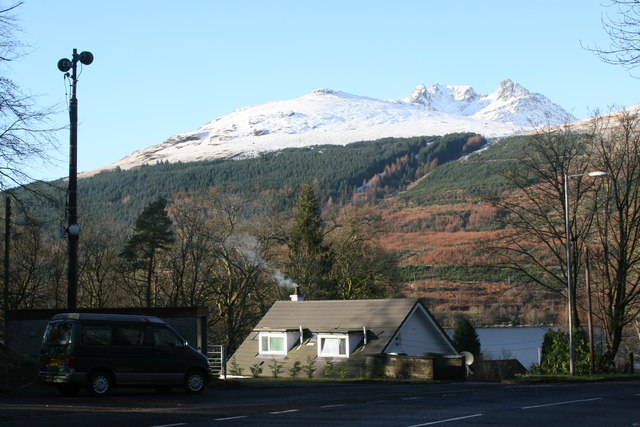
(326, 316)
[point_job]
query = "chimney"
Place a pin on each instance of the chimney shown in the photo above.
(297, 295)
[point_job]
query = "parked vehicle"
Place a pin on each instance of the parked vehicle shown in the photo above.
(101, 351)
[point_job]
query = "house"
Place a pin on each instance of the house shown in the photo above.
(342, 338)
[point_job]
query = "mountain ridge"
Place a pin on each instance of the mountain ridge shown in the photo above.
(326, 116)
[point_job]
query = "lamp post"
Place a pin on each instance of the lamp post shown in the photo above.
(72, 230)
(570, 296)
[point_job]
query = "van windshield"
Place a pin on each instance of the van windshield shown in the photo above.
(57, 334)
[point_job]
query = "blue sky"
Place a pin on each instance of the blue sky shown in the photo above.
(166, 67)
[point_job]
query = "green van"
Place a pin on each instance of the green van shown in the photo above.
(101, 351)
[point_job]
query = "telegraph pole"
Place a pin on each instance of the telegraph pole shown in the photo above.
(7, 252)
(73, 230)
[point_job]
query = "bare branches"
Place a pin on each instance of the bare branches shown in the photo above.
(25, 132)
(624, 32)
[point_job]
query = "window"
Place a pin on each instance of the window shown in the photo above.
(128, 335)
(163, 337)
(58, 333)
(332, 346)
(272, 343)
(96, 334)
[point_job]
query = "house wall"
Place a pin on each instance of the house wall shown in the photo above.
(293, 338)
(418, 336)
(414, 367)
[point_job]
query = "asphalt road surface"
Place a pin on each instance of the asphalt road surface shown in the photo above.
(264, 403)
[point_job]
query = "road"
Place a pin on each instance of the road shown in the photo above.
(338, 404)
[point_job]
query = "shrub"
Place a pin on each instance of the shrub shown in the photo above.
(235, 368)
(295, 369)
(256, 369)
(555, 353)
(276, 368)
(310, 367)
(328, 369)
(342, 372)
(466, 338)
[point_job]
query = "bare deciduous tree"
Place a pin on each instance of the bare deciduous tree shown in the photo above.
(360, 268)
(624, 32)
(25, 134)
(98, 264)
(36, 274)
(217, 261)
(534, 243)
(616, 142)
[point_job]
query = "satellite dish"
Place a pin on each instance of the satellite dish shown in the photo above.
(86, 57)
(64, 65)
(468, 358)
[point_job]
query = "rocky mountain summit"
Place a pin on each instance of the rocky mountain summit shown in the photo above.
(326, 116)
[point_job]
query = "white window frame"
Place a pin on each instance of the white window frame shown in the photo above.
(345, 337)
(270, 335)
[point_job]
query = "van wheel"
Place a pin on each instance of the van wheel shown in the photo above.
(194, 382)
(99, 383)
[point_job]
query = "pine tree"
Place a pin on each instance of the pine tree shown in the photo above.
(152, 234)
(307, 230)
(309, 258)
(466, 338)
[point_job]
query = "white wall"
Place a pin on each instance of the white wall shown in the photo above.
(419, 335)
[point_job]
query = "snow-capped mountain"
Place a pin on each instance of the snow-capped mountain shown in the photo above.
(331, 117)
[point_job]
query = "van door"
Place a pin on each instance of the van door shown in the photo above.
(170, 355)
(130, 356)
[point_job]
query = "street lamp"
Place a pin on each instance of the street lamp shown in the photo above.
(570, 296)
(72, 229)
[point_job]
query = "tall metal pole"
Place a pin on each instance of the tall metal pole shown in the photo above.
(72, 230)
(567, 225)
(72, 270)
(587, 279)
(570, 296)
(7, 240)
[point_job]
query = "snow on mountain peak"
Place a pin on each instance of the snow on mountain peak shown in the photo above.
(509, 89)
(324, 91)
(326, 116)
(449, 98)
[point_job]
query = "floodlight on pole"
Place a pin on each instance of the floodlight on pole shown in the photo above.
(72, 229)
(570, 296)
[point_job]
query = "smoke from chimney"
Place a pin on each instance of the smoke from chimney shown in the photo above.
(249, 247)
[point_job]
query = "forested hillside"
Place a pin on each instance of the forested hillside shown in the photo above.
(373, 168)
(439, 212)
(442, 227)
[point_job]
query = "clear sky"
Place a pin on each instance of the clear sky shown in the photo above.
(166, 67)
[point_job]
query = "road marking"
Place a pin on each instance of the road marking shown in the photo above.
(332, 406)
(412, 398)
(171, 425)
(231, 418)
(447, 421)
(288, 411)
(568, 402)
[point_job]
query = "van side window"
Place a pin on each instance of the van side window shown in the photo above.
(128, 335)
(95, 334)
(163, 337)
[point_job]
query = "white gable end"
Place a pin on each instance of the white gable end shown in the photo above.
(418, 335)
